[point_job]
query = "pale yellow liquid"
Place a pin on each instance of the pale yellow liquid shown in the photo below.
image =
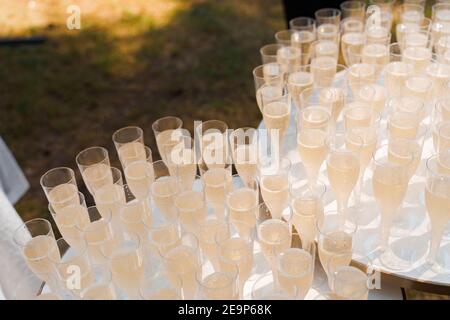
(374, 95)
(109, 199)
(396, 74)
(275, 237)
(183, 168)
(350, 284)
(130, 152)
(400, 153)
(67, 219)
(295, 273)
(276, 117)
(100, 292)
(369, 139)
(214, 149)
(242, 206)
(415, 40)
(328, 31)
(336, 242)
(164, 190)
(36, 254)
(133, 217)
(167, 140)
(418, 57)
(343, 173)
(404, 28)
(139, 177)
(326, 48)
(375, 54)
(334, 99)
(217, 184)
(355, 116)
(314, 118)
(303, 40)
(353, 41)
(297, 83)
(97, 176)
(206, 233)
(323, 70)
(403, 125)
(312, 149)
(440, 75)
(63, 195)
(267, 93)
(275, 192)
(191, 209)
(183, 261)
(359, 75)
(237, 252)
(96, 233)
(437, 200)
(289, 58)
(165, 239)
(305, 214)
(419, 87)
(246, 161)
(127, 268)
(388, 190)
(219, 286)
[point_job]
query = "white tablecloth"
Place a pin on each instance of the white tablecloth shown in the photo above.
(13, 185)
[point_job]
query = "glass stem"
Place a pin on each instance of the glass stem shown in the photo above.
(436, 237)
(358, 189)
(385, 228)
(342, 206)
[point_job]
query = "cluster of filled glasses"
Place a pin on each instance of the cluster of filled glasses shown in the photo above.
(185, 227)
(379, 107)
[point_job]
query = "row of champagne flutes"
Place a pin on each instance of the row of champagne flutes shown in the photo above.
(388, 94)
(362, 36)
(207, 229)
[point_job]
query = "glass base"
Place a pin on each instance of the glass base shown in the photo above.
(406, 220)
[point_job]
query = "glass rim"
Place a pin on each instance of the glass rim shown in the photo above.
(336, 13)
(270, 221)
(302, 251)
(231, 277)
(314, 193)
(82, 203)
(103, 150)
(53, 170)
(435, 158)
(310, 22)
(121, 130)
(268, 47)
(261, 67)
(24, 226)
(351, 5)
(386, 162)
(165, 118)
(195, 248)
